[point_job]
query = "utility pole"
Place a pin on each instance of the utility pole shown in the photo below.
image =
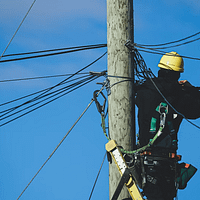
(121, 100)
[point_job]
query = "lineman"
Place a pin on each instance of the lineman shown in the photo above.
(162, 102)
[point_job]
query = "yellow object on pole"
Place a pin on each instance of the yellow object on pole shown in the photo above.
(118, 158)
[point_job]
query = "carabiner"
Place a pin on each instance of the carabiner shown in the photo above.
(99, 107)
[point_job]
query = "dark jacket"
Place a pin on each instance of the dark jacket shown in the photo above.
(185, 100)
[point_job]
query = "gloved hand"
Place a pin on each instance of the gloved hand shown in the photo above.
(185, 83)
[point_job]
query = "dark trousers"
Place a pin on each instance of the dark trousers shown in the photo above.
(160, 181)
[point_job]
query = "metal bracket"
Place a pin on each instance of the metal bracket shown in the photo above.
(103, 73)
(124, 179)
(106, 83)
(129, 45)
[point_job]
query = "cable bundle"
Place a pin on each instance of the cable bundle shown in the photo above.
(43, 97)
(50, 52)
(155, 48)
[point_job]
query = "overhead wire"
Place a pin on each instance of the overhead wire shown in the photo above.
(49, 95)
(56, 53)
(154, 51)
(38, 77)
(42, 104)
(177, 45)
(75, 73)
(56, 49)
(97, 177)
(61, 92)
(50, 156)
(60, 83)
(167, 43)
(155, 48)
(18, 28)
(26, 96)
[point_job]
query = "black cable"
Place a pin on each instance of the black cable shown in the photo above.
(50, 156)
(97, 176)
(34, 99)
(18, 29)
(50, 88)
(74, 73)
(47, 95)
(38, 77)
(52, 54)
(119, 82)
(50, 50)
(62, 82)
(36, 93)
(163, 52)
(153, 45)
(177, 45)
(45, 103)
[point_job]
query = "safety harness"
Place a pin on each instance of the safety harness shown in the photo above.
(163, 110)
(131, 164)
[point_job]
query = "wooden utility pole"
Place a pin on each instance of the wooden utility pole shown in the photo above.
(121, 100)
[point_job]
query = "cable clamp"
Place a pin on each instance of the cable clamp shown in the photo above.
(130, 46)
(103, 73)
(106, 84)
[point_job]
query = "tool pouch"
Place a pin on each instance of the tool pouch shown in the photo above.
(185, 173)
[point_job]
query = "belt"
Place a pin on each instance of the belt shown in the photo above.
(162, 155)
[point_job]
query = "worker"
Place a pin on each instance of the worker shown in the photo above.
(164, 102)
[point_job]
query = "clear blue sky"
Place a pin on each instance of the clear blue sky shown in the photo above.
(27, 142)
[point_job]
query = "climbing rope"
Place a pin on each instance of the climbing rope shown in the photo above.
(103, 125)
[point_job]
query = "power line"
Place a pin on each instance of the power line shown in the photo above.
(38, 77)
(45, 93)
(154, 51)
(50, 88)
(26, 96)
(43, 103)
(73, 74)
(58, 145)
(17, 29)
(177, 45)
(57, 53)
(163, 44)
(50, 50)
(97, 176)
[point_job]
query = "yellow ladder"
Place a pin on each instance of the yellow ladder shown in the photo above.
(119, 160)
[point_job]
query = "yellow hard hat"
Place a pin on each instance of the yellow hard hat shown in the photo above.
(172, 61)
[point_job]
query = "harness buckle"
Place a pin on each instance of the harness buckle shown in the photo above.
(162, 108)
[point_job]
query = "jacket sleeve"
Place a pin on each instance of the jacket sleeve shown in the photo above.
(189, 103)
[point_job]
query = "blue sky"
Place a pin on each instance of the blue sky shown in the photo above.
(27, 142)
